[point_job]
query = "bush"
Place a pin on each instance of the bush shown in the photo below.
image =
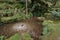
(17, 17)
(47, 27)
(55, 14)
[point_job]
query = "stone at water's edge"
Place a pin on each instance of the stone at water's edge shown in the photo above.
(32, 26)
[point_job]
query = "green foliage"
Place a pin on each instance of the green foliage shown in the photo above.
(53, 15)
(15, 37)
(50, 27)
(13, 12)
(56, 14)
(17, 7)
(39, 9)
(47, 27)
(17, 17)
(1, 37)
(27, 36)
(19, 37)
(52, 30)
(48, 16)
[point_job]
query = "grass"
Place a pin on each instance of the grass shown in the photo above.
(54, 33)
(27, 36)
(15, 37)
(19, 37)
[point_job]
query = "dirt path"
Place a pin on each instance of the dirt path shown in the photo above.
(33, 27)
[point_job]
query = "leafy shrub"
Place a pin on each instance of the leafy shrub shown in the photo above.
(48, 16)
(17, 17)
(47, 27)
(51, 30)
(56, 14)
(53, 15)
